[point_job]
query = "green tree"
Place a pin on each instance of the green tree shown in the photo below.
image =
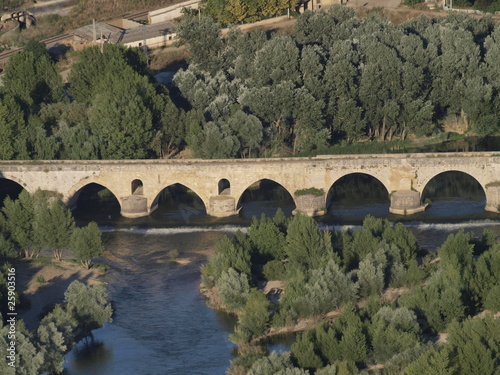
(120, 116)
(18, 219)
(267, 238)
(51, 344)
(31, 77)
(202, 35)
(303, 350)
(86, 243)
(53, 226)
(254, 319)
(305, 243)
(87, 74)
(393, 331)
(29, 360)
(271, 364)
(89, 304)
(12, 127)
(432, 362)
(477, 344)
(233, 288)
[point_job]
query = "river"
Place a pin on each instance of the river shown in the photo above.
(161, 323)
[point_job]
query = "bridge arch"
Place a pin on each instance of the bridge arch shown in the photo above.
(375, 188)
(156, 197)
(288, 194)
(71, 199)
(9, 187)
(453, 183)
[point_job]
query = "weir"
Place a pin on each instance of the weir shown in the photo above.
(220, 183)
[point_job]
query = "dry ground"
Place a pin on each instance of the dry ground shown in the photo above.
(41, 297)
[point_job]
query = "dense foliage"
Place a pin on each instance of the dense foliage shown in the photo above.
(376, 296)
(34, 223)
(235, 11)
(85, 308)
(336, 79)
(341, 78)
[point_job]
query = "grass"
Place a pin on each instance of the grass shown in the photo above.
(40, 279)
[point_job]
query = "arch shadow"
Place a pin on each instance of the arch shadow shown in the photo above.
(265, 196)
(456, 189)
(178, 199)
(358, 194)
(9, 188)
(94, 199)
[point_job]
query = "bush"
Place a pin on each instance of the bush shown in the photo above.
(310, 191)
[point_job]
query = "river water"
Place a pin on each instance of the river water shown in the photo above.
(161, 323)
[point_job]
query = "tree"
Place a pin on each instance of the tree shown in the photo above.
(271, 364)
(393, 331)
(89, 304)
(87, 74)
(12, 127)
(254, 318)
(31, 78)
(120, 116)
(477, 344)
(303, 351)
(18, 218)
(248, 131)
(29, 359)
(86, 243)
(432, 362)
(234, 289)
(305, 243)
(53, 226)
(267, 238)
(51, 344)
(202, 35)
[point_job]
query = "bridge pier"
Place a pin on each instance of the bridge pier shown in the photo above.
(222, 206)
(134, 206)
(310, 205)
(492, 192)
(406, 202)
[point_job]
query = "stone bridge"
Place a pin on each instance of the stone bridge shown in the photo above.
(137, 184)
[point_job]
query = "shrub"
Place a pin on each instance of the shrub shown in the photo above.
(310, 191)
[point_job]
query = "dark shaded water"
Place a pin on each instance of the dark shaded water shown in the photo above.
(161, 323)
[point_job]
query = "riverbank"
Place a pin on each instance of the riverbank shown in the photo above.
(41, 282)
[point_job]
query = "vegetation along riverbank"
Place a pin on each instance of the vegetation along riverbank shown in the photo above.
(58, 301)
(364, 301)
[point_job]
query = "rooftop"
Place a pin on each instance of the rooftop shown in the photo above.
(123, 31)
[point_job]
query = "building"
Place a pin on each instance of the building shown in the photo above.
(127, 32)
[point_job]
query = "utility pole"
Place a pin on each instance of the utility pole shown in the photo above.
(94, 33)
(144, 45)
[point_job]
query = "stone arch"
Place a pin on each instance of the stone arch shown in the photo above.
(17, 181)
(71, 198)
(426, 182)
(240, 195)
(12, 186)
(224, 187)
(155, 201)
(329, 193)
(137, 187)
